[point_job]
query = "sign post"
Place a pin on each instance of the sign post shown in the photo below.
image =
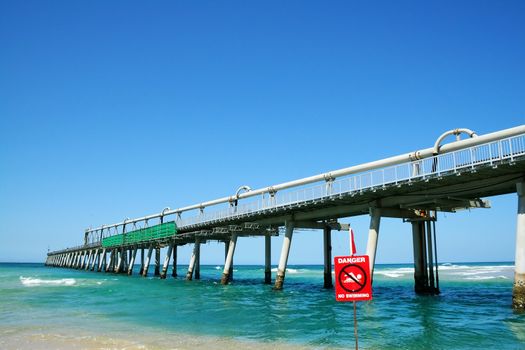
(353, 281)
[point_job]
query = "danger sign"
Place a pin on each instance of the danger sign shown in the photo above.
(352, 278)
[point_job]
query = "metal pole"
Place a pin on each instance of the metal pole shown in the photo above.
(174, 271)
(432, 286)
(268, 259)
(355, 326)
(198, 262)
(327, 245)
(157, 262)
(436, 256)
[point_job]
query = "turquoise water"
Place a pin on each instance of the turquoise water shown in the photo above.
(45, 307)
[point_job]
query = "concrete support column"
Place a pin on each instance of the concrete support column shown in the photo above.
(132, 262)
(157, 262)
(111, 259)
(166, 262)
(373, 234)
(88, 262)
(198, 262)
(84, 257)
(420, 276)
(226, 249)
(268, 259)
(327, 249)
(174, 269)
(146, 263)
(518, 291)
(141, 261)
(125, 261)
(95, 256)
(191, 266)
(285, 252)
(120, 255)
(102, 260)
(229, 259)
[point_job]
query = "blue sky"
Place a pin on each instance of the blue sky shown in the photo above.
(118, 109)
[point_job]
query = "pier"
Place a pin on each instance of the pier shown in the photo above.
(413, 187)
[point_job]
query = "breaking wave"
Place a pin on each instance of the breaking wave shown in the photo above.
(34, 282)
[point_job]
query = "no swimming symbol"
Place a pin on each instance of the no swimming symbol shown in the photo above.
(352, 278)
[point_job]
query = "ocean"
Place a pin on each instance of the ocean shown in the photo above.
(56, 308)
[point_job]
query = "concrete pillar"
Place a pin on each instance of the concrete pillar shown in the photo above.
(141, 261)
(198, 262)
(191, 265)
(79, 260)
(111, 259)
(174, 270)
(146, 263)
(166, 262)
(327, 249)
(518, 291)
(132, 261)
(226, 250)
(88, 262)
(102, 260)
(83, 261)
(95, 256)
(125, 261)
(120, 255)
(229, 259)
(157, 262)
(373, 234)
(285, 252)
(268, 259)
(420, 276)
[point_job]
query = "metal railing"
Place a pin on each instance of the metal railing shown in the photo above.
(446, 164)
(468, 159)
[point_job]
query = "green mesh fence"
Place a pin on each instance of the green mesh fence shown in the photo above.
(144, 234)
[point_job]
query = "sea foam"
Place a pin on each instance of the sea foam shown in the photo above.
(34, 282)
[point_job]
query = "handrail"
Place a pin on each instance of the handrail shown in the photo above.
(417, 155)
(443, 164)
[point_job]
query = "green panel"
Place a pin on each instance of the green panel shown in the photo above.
(141, 235)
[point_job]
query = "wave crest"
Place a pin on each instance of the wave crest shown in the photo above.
(34, 282)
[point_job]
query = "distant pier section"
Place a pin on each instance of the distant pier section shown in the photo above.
(414, 187)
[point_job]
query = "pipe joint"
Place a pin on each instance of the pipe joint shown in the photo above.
(456, 132)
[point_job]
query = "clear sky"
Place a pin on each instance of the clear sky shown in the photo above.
(115, 109)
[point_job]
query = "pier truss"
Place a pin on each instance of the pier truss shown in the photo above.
(413, 187)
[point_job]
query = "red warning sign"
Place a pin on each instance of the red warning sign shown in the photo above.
(352, 278)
